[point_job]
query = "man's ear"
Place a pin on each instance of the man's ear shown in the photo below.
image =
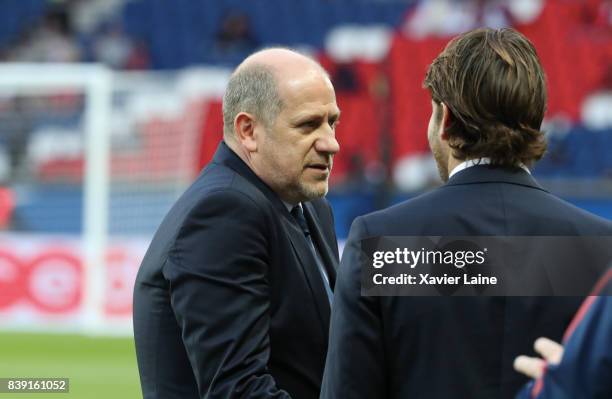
(244, 129)
(447, 118)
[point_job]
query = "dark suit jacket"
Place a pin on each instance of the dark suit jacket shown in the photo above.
(228, 300)
(448, 347)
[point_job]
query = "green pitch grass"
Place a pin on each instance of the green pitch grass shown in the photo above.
(100, 368)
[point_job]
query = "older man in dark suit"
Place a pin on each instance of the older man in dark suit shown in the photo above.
(233, 296)
(488, 101)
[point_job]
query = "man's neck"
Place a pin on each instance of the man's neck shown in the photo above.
(238, 150)
(452, 164)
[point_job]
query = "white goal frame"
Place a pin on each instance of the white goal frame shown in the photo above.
(96, 83)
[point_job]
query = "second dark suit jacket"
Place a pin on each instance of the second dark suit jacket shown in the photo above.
(448, 347)
(228, 301)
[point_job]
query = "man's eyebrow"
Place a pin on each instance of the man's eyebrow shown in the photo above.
(307, 116)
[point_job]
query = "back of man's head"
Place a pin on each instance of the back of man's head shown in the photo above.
(252, 88)
(494, 87)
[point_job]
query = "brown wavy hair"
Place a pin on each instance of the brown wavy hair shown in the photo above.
(494, 87)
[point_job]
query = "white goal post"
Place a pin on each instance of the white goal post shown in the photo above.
(95, 81)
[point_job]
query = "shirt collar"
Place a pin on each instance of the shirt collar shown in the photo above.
(290, 207)
(475, 162)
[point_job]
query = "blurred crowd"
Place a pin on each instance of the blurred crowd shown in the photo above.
(77, 31)
(451, 17)
(93, 30)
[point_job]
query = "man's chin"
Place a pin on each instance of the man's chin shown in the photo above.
(314, 191)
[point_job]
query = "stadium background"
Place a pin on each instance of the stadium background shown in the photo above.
(168, 63)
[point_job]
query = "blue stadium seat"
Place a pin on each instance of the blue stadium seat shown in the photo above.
(18, 15)
(181, 33)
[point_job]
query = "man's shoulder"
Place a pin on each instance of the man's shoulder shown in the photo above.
(217, 189)
(489, 209)
(418, 204)
(402, 217)
(218, 182)
(579, 216)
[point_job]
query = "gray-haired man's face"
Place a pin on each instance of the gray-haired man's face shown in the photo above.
(295, 153)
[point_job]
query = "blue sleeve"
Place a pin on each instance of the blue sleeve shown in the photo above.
(525, 392)
(586, 368)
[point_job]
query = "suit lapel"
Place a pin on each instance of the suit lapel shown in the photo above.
(308, 263)
(329, 260)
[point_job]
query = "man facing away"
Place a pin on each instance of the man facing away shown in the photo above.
(488, 101)
(233, 296)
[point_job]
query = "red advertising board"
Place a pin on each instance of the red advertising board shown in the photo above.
(45, 277)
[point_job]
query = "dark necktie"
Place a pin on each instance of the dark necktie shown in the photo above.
(298, 214)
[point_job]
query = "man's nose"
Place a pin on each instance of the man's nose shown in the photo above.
(327, 144)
